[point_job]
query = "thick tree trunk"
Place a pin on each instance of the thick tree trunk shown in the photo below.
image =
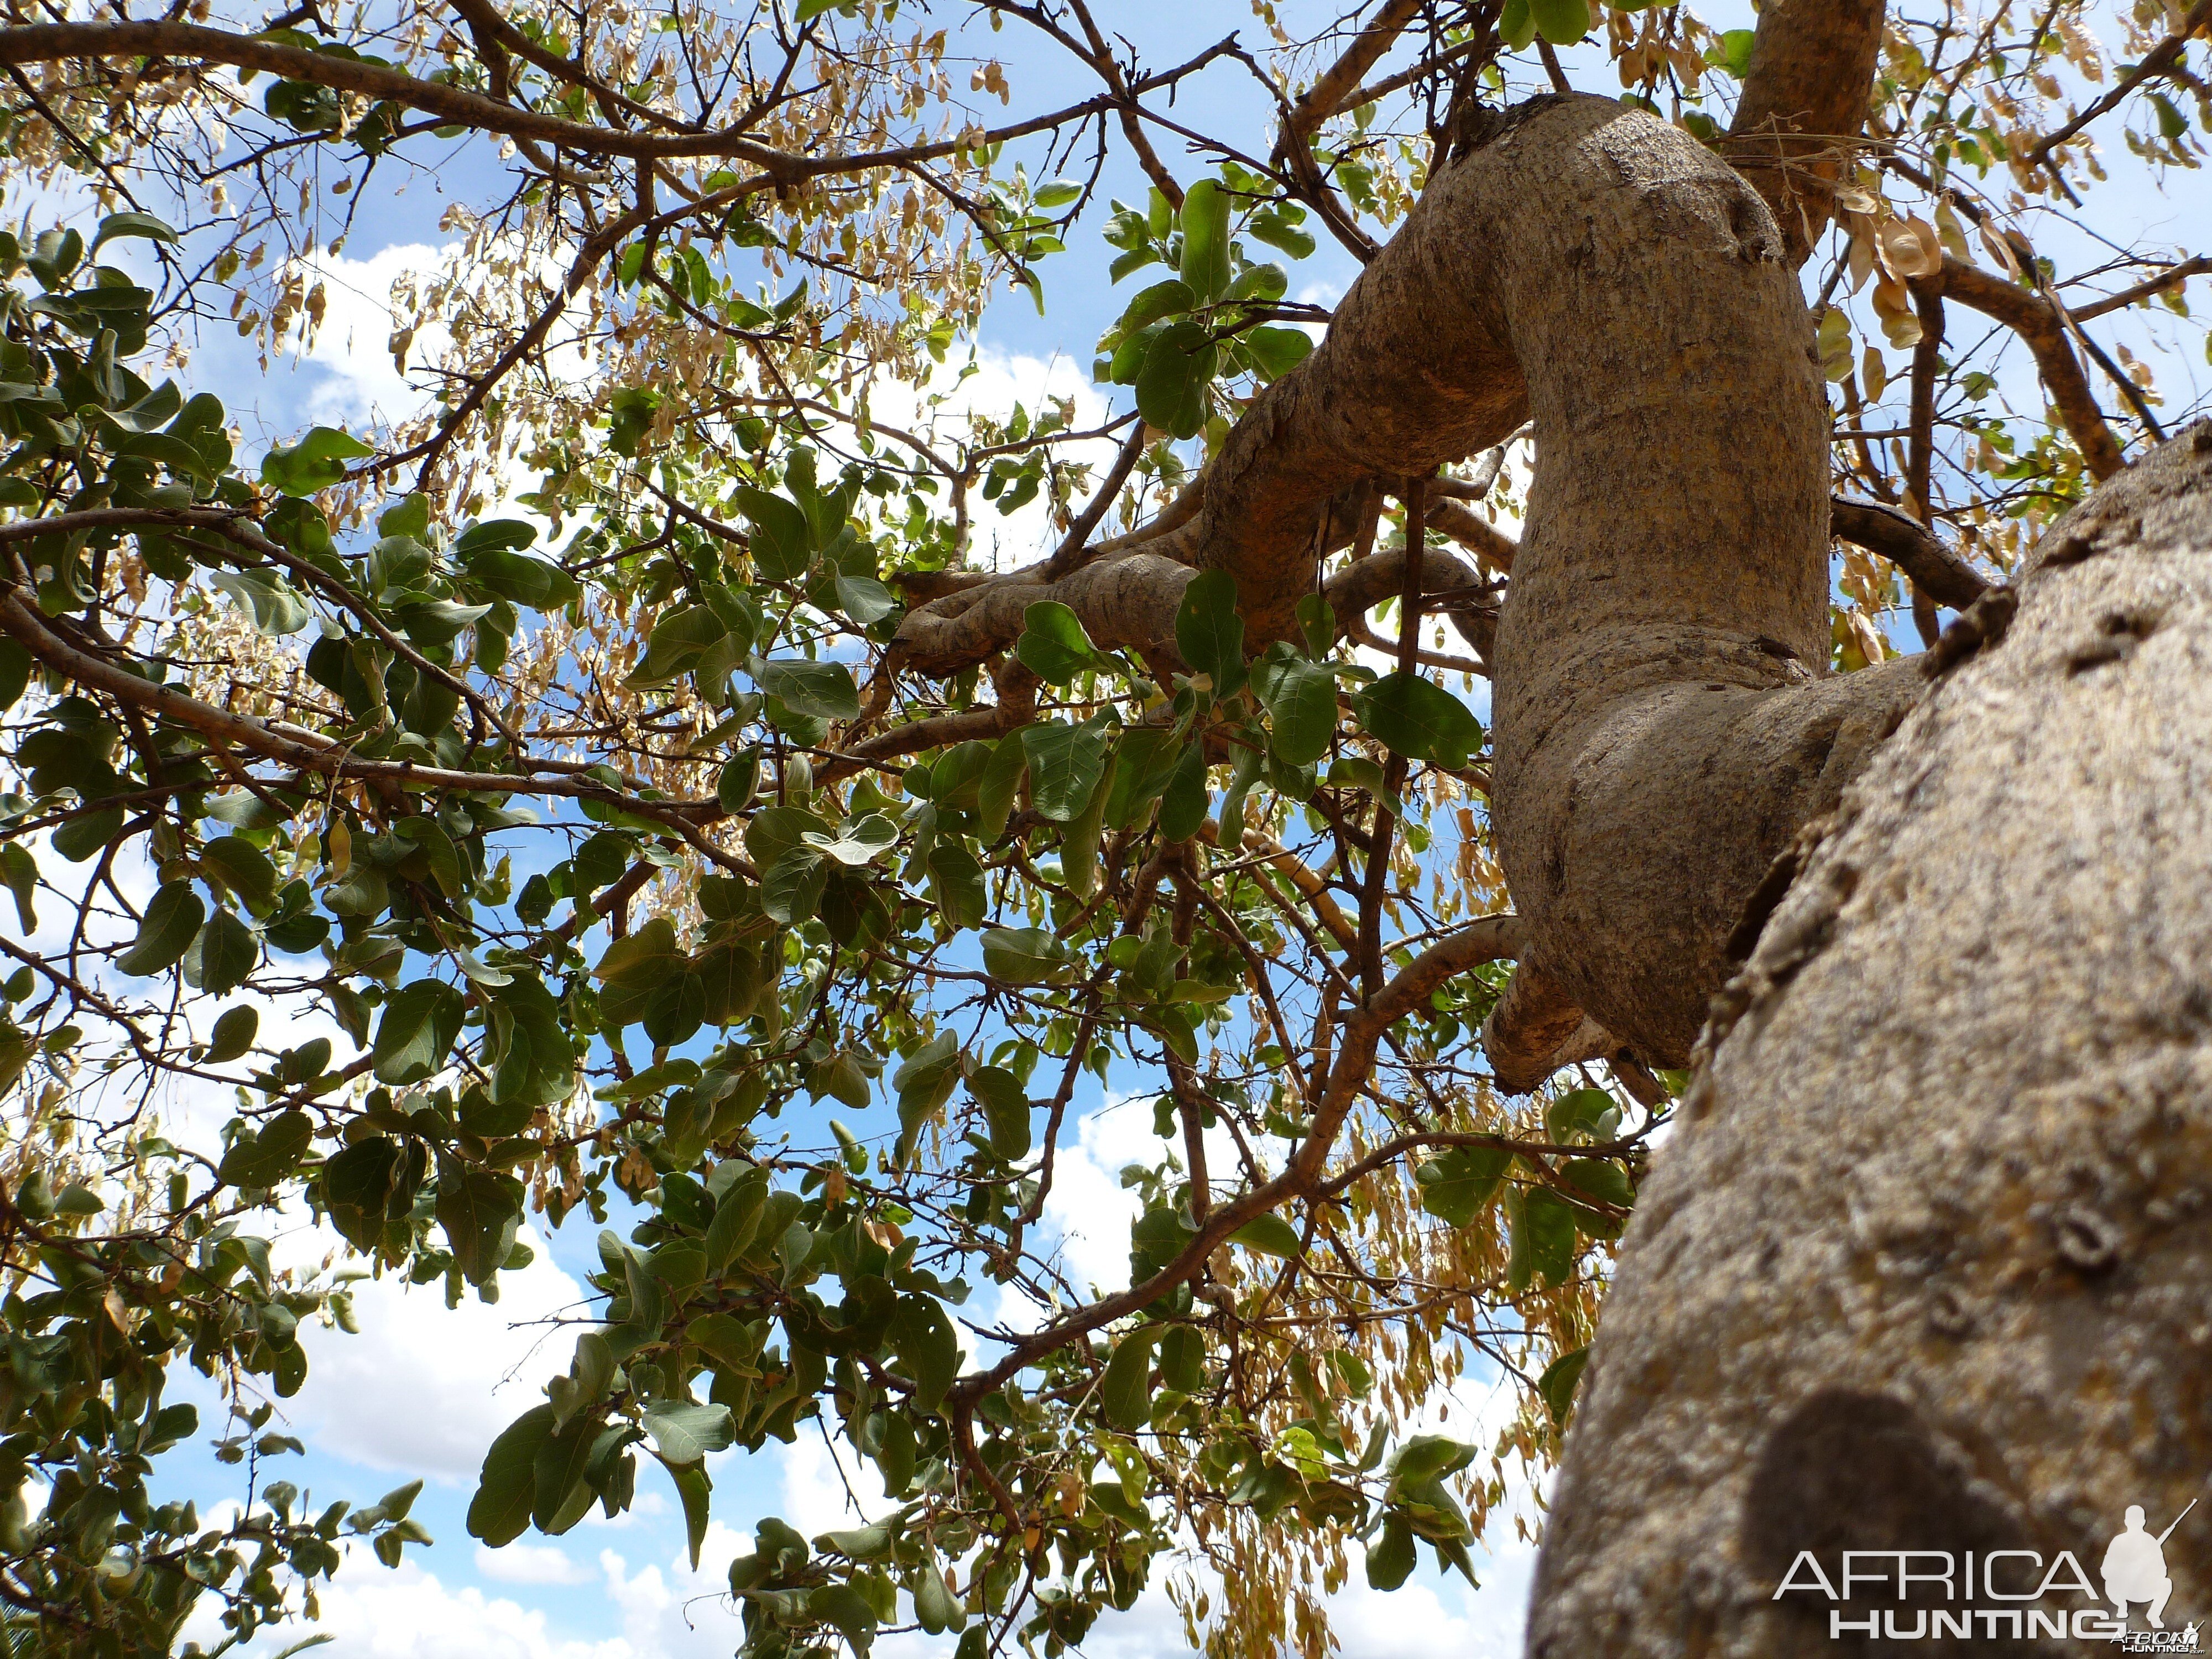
(1926, 1263)
(1665, 720)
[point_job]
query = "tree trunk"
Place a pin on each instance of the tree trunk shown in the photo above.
(1925, 1265)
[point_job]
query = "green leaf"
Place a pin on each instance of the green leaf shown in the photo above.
(1066, 762)
(1562, 22)
(684, 1434)
(1209, 633)
(736, 1218)
(1182, 1360)
(824, 690)
(479, 1210)
(1559, 1382)
(244, 867)
(419, 1025)
(172, 919)
(274, 608)
(1458, 1185)
(1277, 350)
(1269, 1234)
(1543, 1231)
(232, 1035)
(1054, 645)
(934, 1607)
(694, 1490)
(507, 1485)
(998, 784)
(314, 463)
(1420, 719)
(1205, 220)
(1125, 1393)
(1516, 25)
(921, 1333)
(957, 880)
(263, 1159)
(116, 225)
(1005, 1109)
(782, 544)
(1300, 698)
(1170, 299)
(1183, 807)
(1392, 1556)
(862, 841)
(1179, 365)
(790, 888)
(1602, 1179)
(678, 640)
(1025, 956)
(225, 953)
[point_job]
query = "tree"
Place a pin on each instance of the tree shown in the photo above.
(831, 814)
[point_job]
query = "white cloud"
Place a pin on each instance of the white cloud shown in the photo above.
(373, 1613)
(423, 1390)
(530, 1564)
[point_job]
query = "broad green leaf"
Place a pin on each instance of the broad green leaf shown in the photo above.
(1053, 644)
(479, 1211)
(1064, 765)
(1205, 220)
(1005, 1110)
(315, 462)
(275, 608)
(172, 921)
(685, 1434)
(232, 1035)
(678, 640)
(1170, 299)
(419, 1026)
(825, 690)
(1025, 956)
(1179, 364)
(862, 841)
(265, 1159)
(958, 884)
(922, 1335)
(1182, 1359)
(1458, 1185)
(998, 785)
(1209, 633)
(782, 544)
(1559, 1382)
(737, 1218)
(1269, 1234)
(790, 888)
(1300, 698)
(1125, 1393)
(244, 867)
(116, 225)
(1392, 1556)
(223, 955)
(1420, 719)
(507, 1485)
(1183, 804)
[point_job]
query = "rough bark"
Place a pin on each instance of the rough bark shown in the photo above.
(1804, 102)
(1664, 717)
(1924, 1264)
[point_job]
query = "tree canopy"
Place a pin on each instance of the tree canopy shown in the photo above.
(619, 795)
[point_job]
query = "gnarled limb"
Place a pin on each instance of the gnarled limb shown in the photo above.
(1804, 102)
(1937, 570)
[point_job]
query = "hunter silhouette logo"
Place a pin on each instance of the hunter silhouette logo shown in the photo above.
(2001, 1596)
(2135, 1567)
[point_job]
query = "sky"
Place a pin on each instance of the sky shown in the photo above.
(421, 1391)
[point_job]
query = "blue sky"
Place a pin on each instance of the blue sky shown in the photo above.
(419, 1391)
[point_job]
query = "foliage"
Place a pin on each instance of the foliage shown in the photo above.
(791, 978)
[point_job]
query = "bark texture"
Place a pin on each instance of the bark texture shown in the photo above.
(1665, 721)
(1925, 1265)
